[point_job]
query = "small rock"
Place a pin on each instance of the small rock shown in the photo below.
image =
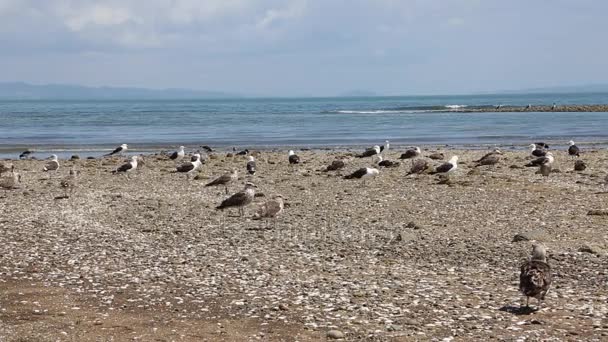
(579, 165)
(598, 212)
(335, 334)
(75, 157)
(520, 237)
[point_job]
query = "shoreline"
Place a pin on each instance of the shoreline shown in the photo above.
(66, 152)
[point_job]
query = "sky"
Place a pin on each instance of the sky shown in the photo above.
(306, 47)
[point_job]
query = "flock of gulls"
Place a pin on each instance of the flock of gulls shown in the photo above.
(535, 274)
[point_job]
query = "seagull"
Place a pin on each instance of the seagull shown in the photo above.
(385, 146)
(127, 167)
(573, 150)
(225, 179)
(364, 172)
(293, 158)
(26, 154)
(119, 150)
(491, 158)
(535, 275)
(270, 209)
(447, 168)
(70, 182)
(335, 165)
(191, 166)
(5, 167)
(418, 166)
(541, 144)
(178, 155)
(207, 148)
(370, 152)
(52, 165)
(240, 199)
(537, 152)
(387, 163)
(546, 159)
(12, 181)
(498, 107)
(528, 107)
(251, 165)
(437, 156)
(411, 153)
(243, 152)
(554, 106)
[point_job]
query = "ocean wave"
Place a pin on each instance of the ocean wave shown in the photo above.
(401, 110)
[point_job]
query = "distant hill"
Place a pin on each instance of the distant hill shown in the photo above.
(20, 90)
(358, 93)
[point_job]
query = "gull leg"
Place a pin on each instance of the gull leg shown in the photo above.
(226, 188)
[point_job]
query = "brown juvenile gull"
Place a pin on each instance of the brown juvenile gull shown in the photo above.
(447, 168)
(411, 153)
(335, 165)
(251, 165)
(437, 156)
(491, 158)
(70, 182)
(127, 167)
(240, 199)
(225, 179)
(293, 157)
(190, 167)
(11, 181)
(418, 166)
(178, 155)
(573, 150)
(387, 163)
(270, 209)
(536, 151)
(5, 167)
(535, 275)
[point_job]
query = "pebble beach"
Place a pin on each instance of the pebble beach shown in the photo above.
(393, 259)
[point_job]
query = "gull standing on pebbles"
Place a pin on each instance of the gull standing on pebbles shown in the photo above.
(491, 158)
(191, 166)
(535, 275)
(225, 179)
(270, 210)
(52, 165)
(5, 167)
(370, 152)
(251, 165)
(178, 155)
(293, 157)
(418, 166)
(11, 181)
(127, 167)
(239, 200)
(573, 150)
(447, 168)
(70, 182)
(536, 151)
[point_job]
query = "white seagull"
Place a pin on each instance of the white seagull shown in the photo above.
(447, 168)
(178, 155)
(52, 165)
(120, 149)
(127, 167)
(191, 166)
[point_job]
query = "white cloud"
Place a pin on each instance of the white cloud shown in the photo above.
(293, 10)
(98, 15)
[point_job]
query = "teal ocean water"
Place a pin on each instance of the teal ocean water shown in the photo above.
(95, 126)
